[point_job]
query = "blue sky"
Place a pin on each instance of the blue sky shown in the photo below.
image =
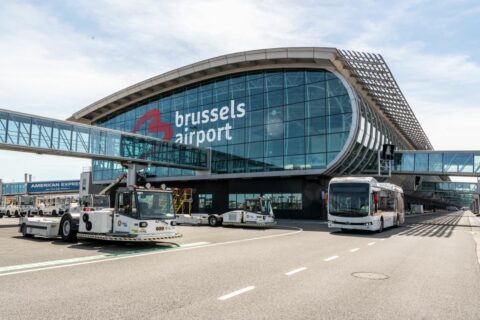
(59, 56)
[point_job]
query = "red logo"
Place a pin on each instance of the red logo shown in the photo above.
(155, 124)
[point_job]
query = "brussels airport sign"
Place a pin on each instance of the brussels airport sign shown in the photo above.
(188, 121)
(53, 186)
(213, 115)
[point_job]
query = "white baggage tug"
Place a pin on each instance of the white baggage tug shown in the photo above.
(140, 215)
(257, 212)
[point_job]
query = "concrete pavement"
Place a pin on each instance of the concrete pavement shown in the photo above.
(427, 269)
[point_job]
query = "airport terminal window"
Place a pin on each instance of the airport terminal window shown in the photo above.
(421, 162)
(435, 163)
(476, 163)
(205, 201)
(14, 188)
(458, 162)
(269, 109)
(280, 201)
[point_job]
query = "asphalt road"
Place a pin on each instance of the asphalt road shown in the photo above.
(427, 269)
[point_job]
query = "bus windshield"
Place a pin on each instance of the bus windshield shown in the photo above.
(349, 199)
(154, 205)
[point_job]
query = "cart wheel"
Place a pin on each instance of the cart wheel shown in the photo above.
(66, 230)
(213, 221)
(24, 231)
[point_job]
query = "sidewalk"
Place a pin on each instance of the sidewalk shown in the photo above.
(475, 224)
(9, 222)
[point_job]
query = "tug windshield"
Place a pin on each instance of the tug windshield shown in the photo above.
(154, 205)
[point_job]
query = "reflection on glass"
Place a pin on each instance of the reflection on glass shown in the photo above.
(279, 105)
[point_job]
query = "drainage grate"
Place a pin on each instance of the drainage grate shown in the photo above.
(370, 275)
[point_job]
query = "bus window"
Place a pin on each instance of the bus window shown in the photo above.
(387, 201)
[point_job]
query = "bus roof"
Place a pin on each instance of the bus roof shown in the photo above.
(370, 180)
(391, 187)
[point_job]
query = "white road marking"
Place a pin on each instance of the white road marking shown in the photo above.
(194, 244)
(289, 273)
(236, 293)
(330, 258)
(354, 249)
(370, 243)
(56, 264)
(51, 263)
(75, 260)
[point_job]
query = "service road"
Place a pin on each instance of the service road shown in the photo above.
(427, 269)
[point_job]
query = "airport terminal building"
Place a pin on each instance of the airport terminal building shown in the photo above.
(280, 122)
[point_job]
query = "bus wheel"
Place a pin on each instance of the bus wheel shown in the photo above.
(16, 214)
(1, 215)
(54, 213)
(397, 224)
(8, 214)
(40, 213)
(22, 214)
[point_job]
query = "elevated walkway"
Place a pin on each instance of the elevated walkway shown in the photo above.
(449, 187)
(34, 134)
(448, 163)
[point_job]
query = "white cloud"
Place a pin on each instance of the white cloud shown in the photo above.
(53, 65)
(45, 67)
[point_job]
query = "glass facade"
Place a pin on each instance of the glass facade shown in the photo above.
(274, 120)
(205, 201)
(438, 162)
(372, 133)
(31, 133)
(280, 201)
(14, 188)
(461, 187)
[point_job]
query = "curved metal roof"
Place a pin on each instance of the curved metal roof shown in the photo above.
(367, 72)
(373, 74)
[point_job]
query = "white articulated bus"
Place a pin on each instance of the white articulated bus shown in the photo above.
(362, 203)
